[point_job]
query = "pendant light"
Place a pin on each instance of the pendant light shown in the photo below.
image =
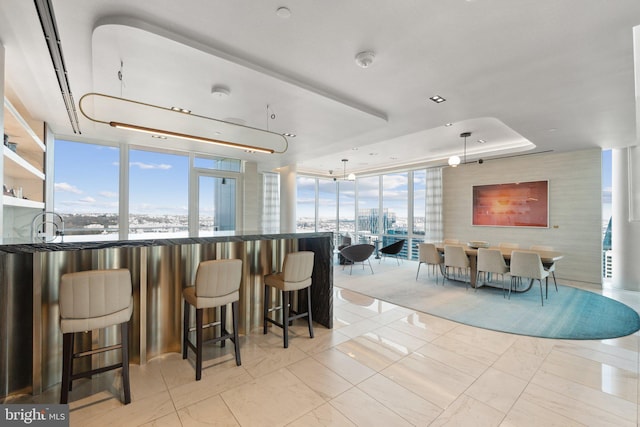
(454, 161)
(351, 176)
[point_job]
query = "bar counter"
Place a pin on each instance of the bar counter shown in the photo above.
(31, 347)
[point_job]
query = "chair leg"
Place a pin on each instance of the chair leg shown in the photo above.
(236, 342)
(541, 299)
(185, 330)
(554, 280)
(309, 319)
(199, 314)
(73, 340)
(265, 311)
(419, 264)
(223, 323)
(546, 286)
(369, 261)
(67, 355)
(285, 318)
(124, 333)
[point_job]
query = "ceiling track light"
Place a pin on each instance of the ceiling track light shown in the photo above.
(180, 135)
(437, 99)
(49, 27)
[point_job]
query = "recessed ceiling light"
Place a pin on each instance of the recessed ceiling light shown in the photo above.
(393, 158)
(437, 99)
(220, 92)
(373, 154)
(159, 136)
(290, 135)
(448, 124)
(283, 12)
(355, 149)
(181, 110)
(481, 141)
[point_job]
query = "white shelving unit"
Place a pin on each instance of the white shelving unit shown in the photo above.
(23, 169)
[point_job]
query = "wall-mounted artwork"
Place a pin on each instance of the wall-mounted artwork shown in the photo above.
(518, 204)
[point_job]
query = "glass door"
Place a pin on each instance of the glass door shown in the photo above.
(216, 204)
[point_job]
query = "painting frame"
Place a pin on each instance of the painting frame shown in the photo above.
(511, 204)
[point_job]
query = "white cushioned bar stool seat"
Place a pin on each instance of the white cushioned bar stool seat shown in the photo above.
(217, 284)
(93, 300)
(296, 275)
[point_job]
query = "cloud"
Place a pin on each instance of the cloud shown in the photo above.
(144, 166)
(88, 200)
(108, 194)
(65, 187)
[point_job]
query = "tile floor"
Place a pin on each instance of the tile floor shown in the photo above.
(381, 365)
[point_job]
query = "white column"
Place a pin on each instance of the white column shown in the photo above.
(288, 193)
(625, 225)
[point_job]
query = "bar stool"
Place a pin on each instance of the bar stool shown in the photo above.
(217, 284)
(295, 275)
(91, 300)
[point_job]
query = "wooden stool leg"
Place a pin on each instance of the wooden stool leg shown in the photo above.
(223, 323)
(309, 319)
(185, 330)
(285, 317)
(124, 328)
(199, 315)
(265, 311)
(236, 343)
(67, 355)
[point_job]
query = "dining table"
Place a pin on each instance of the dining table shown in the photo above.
(547, 258)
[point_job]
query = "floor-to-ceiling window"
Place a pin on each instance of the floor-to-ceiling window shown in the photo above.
(384, 208)
(86, 189)
(368, 208)
(158, 193)
(346, 207)
(92, 190)
(326, 206)
(305, 203)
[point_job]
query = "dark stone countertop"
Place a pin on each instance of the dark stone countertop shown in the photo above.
(221, 237)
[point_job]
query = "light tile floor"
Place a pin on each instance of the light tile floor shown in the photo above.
(381, 365)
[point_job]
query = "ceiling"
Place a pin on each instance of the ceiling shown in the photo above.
(527, 76)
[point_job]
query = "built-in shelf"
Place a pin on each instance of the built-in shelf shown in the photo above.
(19, 168)
(21, 203)
(23, 172)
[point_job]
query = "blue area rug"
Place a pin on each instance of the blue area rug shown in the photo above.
(570, 313)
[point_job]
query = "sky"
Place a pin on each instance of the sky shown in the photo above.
(86, 180)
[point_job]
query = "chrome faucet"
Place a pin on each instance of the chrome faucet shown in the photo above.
(46, 227)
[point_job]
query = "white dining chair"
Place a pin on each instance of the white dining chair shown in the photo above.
(528, 265)
(491, 261)
(428, 254)
(456, 258)
(550, 267)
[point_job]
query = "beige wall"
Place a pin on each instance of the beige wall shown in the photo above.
(575, 207)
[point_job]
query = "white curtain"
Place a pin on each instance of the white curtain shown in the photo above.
(270, 202)
(433, 200)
